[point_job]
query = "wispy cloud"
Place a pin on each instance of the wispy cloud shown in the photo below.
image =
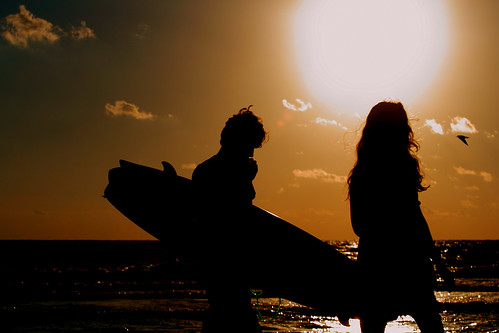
(442, 213)
(472, 188)
(468, 204)
(323, 212)
(319, 174)
(122, 108)
(457, 125)
(327, 122)
(463, 171)
(24, 28)
(189, 166)
(435, 127)
(82, 32)
(301, 106)
(491, 135)
(486, 176)
(463, 125)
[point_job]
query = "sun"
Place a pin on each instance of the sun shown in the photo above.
(354, 53)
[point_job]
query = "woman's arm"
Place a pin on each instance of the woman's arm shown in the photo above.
(435, 254)
(442, 269)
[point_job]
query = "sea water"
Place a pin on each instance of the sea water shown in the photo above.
(135, 286)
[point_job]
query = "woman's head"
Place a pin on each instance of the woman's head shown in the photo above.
(243, 130)
(387, 129)
(388, 139)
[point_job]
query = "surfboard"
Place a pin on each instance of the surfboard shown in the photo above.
(285, 260)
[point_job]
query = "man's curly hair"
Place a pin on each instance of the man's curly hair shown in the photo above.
(244, 129)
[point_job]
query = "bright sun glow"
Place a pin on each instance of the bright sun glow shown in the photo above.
(353, 53)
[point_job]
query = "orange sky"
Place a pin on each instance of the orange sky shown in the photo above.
(85, 84)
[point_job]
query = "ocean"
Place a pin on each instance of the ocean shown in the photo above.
(136, 286)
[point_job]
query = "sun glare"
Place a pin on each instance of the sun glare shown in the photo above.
(353, 53)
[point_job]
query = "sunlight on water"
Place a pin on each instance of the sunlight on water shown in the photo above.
(404, 324)
(467, 297)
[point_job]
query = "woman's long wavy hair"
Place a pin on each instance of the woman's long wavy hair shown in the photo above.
(387, 136)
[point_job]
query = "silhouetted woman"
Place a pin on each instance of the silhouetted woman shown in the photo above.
(395, 244)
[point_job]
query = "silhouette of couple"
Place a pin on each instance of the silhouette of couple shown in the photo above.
(396, 248)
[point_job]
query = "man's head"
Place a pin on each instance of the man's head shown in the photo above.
(243, 131)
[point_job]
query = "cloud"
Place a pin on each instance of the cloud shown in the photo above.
(435, 127)
(122, 108)
(457, 125)
(463, 171)
(189, 166)
(82, 32)
(323, 212)
(326, 122)
(468, 204)
(301, 107)
(486, 176)
(462, 125)
(288, 105)
(491, 135)
(442, 213)
(319, 174)
(23, 28)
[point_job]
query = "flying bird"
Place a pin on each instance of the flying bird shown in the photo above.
(463, 139)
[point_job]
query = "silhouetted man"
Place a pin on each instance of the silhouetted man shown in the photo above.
(224, 191)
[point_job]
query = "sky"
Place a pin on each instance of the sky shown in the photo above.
(87, 83)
